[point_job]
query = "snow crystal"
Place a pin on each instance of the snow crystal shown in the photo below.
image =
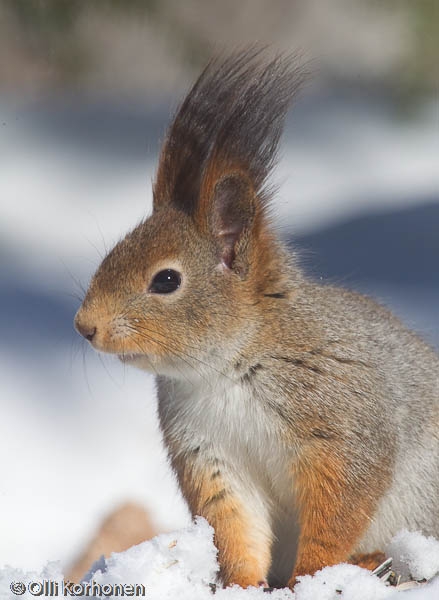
(414, 555)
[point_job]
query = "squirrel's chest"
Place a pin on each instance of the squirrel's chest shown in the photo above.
(229, 423)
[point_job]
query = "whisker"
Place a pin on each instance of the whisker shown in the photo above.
(170, 350)
(101, 234)
(124, 365)
(75, 280)
(75, 348)
(101, 256)
(76, 296)
(153, 367)
(84, 366)
(142, 328)
(142, 350)
(102, 361)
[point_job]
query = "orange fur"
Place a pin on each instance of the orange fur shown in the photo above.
(333, 514)
(243, 552)
(368, 561)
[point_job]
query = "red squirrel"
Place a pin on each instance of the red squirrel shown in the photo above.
(301, 419)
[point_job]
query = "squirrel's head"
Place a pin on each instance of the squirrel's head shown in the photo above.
(184, 288)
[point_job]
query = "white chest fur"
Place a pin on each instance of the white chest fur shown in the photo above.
(231, 424)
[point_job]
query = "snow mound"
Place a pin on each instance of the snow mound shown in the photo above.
(12, 581)
(183, 566)
(347, 582)
(175, 565)
(414, 555)
(172, 565)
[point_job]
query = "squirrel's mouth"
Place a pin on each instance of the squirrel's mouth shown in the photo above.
(138, 360)
(127, 357)
(143, 361)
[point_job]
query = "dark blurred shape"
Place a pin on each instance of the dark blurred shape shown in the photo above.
(397, 247)
(420, 72)
(125, 131)
(128, 525)
(110, 43)
(46, 30)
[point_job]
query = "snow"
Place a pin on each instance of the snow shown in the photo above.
(414, 554)
(183, 565)
(79, 442)
(352, 582)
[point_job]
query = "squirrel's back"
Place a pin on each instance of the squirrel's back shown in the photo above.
(370, 369)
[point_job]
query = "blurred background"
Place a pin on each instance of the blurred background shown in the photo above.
(86, 90)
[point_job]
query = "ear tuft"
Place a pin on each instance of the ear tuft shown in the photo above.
(232, 116)
(233, 211)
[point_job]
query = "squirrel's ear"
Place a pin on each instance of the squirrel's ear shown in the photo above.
(232, 211)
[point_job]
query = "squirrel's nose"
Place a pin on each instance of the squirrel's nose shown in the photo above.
(85, 329)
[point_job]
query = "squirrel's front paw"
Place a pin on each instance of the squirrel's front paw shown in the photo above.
(245, 578)
(368, 561)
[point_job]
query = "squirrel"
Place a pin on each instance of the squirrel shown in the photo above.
(301, 419)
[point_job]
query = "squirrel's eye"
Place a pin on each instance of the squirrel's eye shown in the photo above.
(165, 282)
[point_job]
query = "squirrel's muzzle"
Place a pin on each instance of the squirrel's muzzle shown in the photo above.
(87, 330)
